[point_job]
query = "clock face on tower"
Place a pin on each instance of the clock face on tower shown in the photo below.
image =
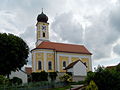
(43, 27)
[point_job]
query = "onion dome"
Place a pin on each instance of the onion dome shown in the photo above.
(42, 18)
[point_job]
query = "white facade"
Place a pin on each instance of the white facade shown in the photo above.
(79, 69)
(20, 74)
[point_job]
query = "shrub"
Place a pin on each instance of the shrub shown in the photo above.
(3, 80)
(69, 73)
(16, 81)
(66, 78)
(40, 76)
(53, 75)
(92, 86)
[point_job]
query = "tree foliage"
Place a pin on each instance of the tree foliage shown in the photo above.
(118, 67)
(105, 79)
(13, 53)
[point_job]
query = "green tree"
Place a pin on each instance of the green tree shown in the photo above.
(13, 53)
(105, 79)
(118, 67)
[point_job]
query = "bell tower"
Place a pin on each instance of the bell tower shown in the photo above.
(42, 28)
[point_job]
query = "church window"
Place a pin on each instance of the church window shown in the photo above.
(49, 65)
(39, 65)
(43, 34)
(64, 63)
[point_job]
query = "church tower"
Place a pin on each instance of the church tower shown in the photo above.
(42, 28)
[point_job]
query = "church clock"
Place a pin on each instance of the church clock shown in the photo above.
(43, 27)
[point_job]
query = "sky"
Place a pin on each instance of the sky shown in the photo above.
(92, 23)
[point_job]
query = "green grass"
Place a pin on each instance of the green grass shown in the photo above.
(62, 88)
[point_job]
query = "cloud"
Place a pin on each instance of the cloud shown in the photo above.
(67, 28)
(115, 17)
(29, 36)
(116, 49)
(100, 36)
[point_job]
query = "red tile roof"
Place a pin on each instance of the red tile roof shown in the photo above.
(72, 64)
(111, 67)
(28, 70)
(62, 47)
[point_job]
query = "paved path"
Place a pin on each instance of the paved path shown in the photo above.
(74, 87)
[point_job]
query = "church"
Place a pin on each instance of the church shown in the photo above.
(52, 56)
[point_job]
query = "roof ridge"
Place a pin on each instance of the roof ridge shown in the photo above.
(67, 43)
(63, 47)
(73, 63)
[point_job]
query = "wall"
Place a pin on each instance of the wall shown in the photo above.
(19, 74)
(57, 59)
(71, 57)
(79, 69)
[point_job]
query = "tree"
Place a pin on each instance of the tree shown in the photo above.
(118, 67)
(13, 53)
(105, 79)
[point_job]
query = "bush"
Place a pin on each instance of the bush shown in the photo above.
(40, 76)
(3, 80)
(92, 86)
(16, 81)
(69, 73)
(53, 75)
(66, 78)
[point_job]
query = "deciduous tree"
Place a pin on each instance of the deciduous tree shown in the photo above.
(13, 53)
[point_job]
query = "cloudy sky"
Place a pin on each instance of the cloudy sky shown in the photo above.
(93, 23)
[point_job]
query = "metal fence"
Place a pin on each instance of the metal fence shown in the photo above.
(34, 86)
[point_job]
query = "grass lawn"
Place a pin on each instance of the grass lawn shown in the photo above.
(62, 88)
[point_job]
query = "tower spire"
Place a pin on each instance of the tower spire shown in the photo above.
(42, 10)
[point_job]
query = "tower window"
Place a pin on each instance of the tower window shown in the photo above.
(39, 65)
(49, 65)
(64, 63)
(43, 34)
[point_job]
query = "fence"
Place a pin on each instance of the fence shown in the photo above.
(34, 86)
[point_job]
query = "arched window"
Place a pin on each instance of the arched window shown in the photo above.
(64, 63)
(39, 65)
(49, 65)
(43, 34)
